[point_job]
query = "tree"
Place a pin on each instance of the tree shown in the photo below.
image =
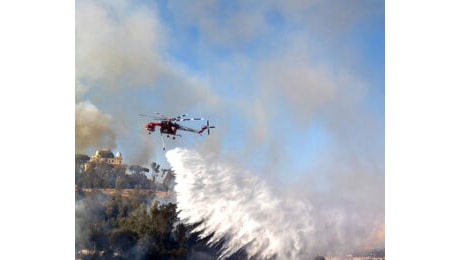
(181, 235)
(113, 206)
(136, 169)
(320, 258)
(155, 170)
(123, 240)
(98, 239)
(169, 179)
(155, 167)
(80, 160)
(118, 184)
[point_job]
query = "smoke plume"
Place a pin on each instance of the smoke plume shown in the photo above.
(92, 127)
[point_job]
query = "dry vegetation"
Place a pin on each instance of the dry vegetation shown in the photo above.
(127, 192)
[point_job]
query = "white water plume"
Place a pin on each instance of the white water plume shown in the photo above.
(240, 210)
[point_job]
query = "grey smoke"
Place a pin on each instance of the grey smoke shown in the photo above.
(92, 127)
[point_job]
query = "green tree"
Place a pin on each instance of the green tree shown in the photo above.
(136, 169)
(112, 206)
(181, 235)
(123, 240)
(118, 184)
(155, 167)
(80, 160)
(169, 179)
(98, 239)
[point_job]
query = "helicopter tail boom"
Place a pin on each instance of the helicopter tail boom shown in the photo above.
(207, 126)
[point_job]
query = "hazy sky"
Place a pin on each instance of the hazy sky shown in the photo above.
(296, 89)
(283, 80)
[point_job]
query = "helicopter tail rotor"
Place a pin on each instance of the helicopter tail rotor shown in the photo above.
(208, 126)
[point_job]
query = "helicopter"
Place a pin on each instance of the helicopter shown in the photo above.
(169, 126)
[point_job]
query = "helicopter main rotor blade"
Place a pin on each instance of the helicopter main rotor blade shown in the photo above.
(190, 119)
(178, 118)
(159, 116)
(153, 117)
(181, 116)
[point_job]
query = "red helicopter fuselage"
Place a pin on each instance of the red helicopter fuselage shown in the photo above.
(166, 127)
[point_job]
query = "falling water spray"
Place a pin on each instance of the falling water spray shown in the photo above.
(239, 210)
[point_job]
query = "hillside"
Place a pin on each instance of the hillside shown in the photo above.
(128, 192)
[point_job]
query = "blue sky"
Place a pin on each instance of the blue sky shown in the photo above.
(295, 88)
